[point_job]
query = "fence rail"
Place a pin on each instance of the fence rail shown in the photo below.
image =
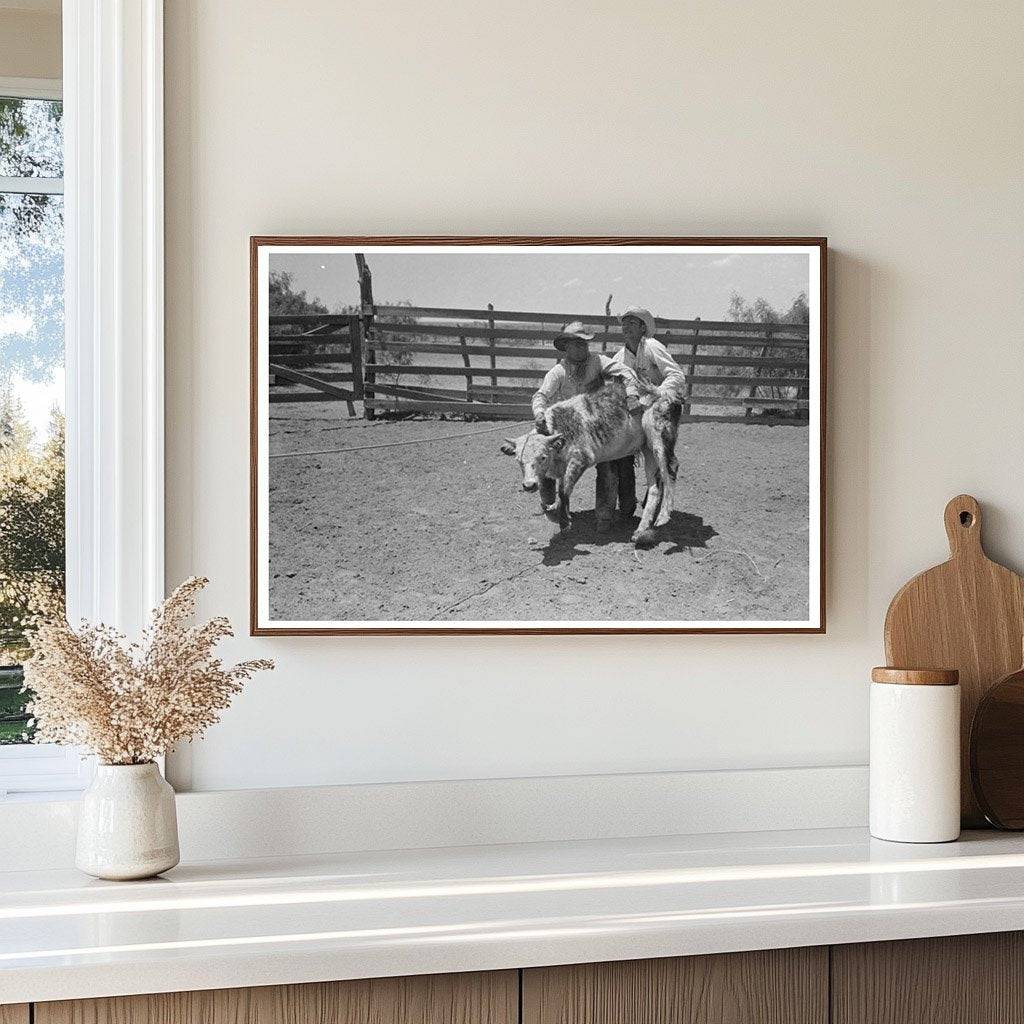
(408, 359)
(543, 338)
(518, 316)
(296, 358)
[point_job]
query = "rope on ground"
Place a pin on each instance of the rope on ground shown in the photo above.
(736, 551)
(397, 444)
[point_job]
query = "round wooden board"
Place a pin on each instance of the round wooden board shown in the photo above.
(968, 614)
(997, 752)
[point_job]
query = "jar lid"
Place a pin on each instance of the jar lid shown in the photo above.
(916, 676)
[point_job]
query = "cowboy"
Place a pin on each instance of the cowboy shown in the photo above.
(642, 352)
(650, 361)
(578, 371)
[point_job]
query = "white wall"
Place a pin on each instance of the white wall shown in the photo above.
(895, 129)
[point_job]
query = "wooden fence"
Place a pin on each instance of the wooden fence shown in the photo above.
(746, 372)
(486, 363)
(312, 355)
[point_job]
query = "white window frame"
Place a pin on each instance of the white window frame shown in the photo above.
(114, 326)
(31, 89)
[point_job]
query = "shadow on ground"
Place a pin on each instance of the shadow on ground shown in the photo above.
(682, 532)
(463, 542)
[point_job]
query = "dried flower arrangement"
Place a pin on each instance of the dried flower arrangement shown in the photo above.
(130, 703)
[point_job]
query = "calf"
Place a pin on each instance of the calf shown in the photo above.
(594, 428)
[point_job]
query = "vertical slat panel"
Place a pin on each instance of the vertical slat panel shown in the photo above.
(467, 364)
(14, 1013)
(766, 351)
(781, 986)
(491, 343)
(356, 334)
(690, 370)
(479, 998)
(961, 979)
(366, 310)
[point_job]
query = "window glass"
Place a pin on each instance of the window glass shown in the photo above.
(31, 138)
(31, 388)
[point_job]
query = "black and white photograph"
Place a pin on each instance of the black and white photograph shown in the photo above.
(537, 435)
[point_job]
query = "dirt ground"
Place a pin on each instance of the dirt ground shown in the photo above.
(443, 530)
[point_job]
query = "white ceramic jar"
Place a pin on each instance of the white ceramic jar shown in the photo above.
(127, 824)
(915, 755)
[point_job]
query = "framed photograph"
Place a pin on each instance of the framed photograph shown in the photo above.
(537, 435)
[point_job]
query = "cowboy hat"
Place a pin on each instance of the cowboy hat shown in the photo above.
(570, 331)
(644, 315)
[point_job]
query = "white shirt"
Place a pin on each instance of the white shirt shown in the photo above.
(558, 385)
(652, 362)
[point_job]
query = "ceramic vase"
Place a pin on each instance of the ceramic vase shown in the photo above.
(127, 825)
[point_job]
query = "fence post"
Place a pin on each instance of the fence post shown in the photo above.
(765, 350)
(355, 334)
(804, 392)
(607, 312)
(691, 367)
(466, 363)
(491, 342)
(366, 318)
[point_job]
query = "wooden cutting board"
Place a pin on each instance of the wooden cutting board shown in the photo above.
(997, 752)
(967, 614)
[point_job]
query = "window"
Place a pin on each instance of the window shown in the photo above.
(32, 548)
(92, 172)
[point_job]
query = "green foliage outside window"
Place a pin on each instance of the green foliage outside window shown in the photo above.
(31, 355)
(31, 548)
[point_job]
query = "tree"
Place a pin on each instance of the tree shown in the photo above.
(15, 430)
(31, 138)
(32, 551)
(762, 312)
(32, 548)
(799, 312)
(284, 299)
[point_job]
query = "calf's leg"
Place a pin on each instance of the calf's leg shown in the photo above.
(547, 493)
(652, 502)
(574, 469)
(668, 434)
(666, 478)
(660, 429)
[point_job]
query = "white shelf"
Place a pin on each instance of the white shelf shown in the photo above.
(351, 915)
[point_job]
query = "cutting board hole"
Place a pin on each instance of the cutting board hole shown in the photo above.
(966, 519)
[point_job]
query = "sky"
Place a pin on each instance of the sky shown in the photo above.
(31, 335)
(39, 398)
(31, 270)
(680, 285)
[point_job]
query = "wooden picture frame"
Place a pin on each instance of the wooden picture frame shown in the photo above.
(357, 335)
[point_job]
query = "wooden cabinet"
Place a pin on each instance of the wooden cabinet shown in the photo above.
(491, 998)
(777, 986)
(970, 979)
(962, 979)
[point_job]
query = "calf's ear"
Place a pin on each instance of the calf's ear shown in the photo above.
(508, 446)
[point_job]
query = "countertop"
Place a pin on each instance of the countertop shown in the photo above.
(261, 922)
